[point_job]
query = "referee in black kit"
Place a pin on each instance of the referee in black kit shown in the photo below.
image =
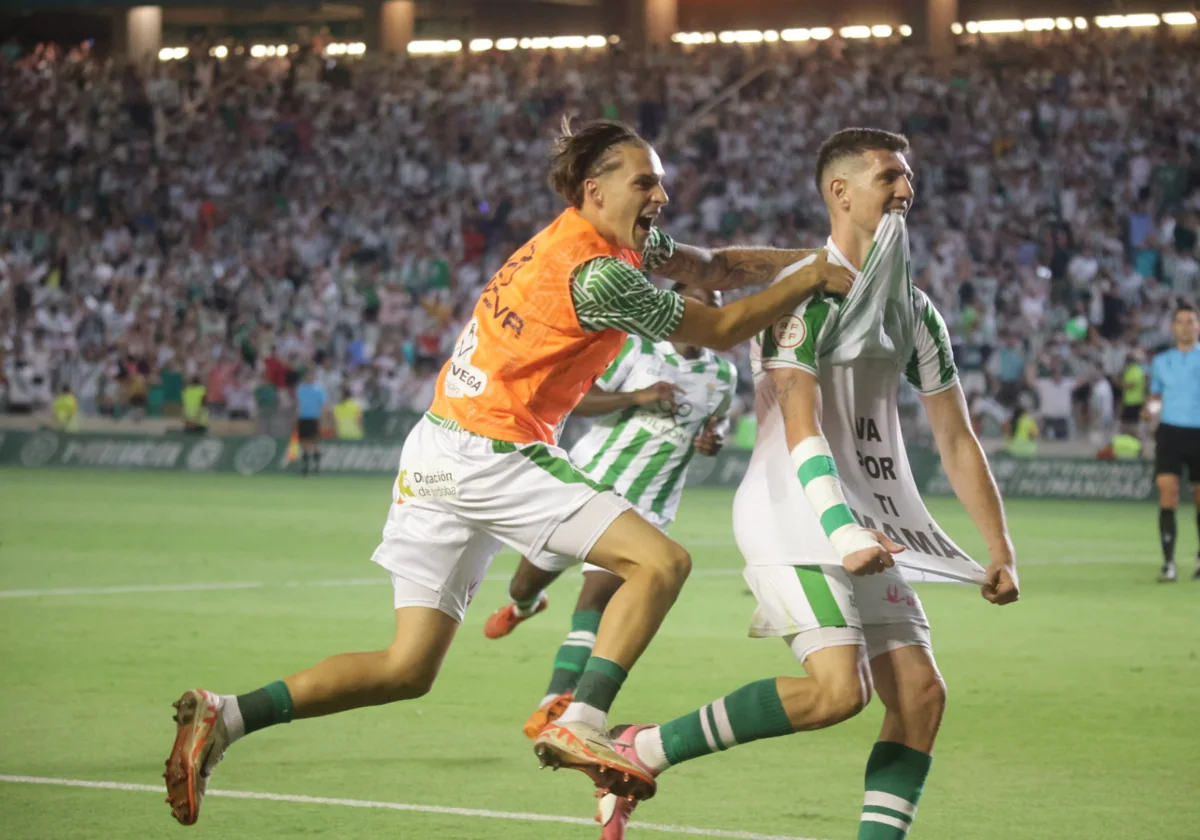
(1175, 392)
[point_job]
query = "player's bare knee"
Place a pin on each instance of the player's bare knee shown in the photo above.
(408, 685)
(675, 564)
(668, 565)
(843, 697)
(929, 700)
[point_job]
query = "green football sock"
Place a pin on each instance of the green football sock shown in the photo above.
(601, 680)
(895, 777)
(265, 707)
(571, 658)
(751, 713)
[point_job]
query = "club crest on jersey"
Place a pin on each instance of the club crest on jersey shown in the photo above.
(789, 331)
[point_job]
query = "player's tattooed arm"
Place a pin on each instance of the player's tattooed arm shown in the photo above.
(726, 268)
(967, 468)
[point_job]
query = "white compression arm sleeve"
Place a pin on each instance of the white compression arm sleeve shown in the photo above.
(818, 474)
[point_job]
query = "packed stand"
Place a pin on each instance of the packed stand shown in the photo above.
(230, 224)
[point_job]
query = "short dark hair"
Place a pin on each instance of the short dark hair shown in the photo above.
(587, 153)
(1184, 306)
(851, 142)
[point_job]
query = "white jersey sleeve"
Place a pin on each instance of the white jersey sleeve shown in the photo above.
(931, 367)
(794, 341)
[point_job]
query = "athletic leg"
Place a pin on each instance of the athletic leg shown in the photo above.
(527, 597)
(571, 658)
(1168, 503)
(907, 680)
(653, 569)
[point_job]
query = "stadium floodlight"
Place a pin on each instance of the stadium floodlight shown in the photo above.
(855, 32)
(221, 51)
(1179, 19)
(525, 43)
(999, 27)
(906, 30)
(821, 33)
(359, 48)
(881, 30)
(1063, 23)
(771, 36)
(166, 54)
(596, 41)
(1081, 23)
(270, 50)
(1039, 24)
(709, 38)
(506, 44)
(741, 36)
(956, 28)
(972, 27)
(568, 42)
(540, 43)
(1126, 21)
(614, 39)
(433, 47)
(282, 49)
(795, 35)
(480, 44)
(258, 50)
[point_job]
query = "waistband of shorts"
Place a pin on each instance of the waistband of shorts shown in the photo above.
(498, 446)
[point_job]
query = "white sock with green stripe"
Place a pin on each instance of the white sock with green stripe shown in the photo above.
(895, 777)
(819, 477)
(751, 713)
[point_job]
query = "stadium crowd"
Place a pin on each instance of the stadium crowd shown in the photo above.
(234, 223)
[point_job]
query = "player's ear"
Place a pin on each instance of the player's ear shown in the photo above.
(839, 193)
(591, 189)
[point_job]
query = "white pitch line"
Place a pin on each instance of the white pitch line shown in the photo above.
(1096, 560)
(518, 816)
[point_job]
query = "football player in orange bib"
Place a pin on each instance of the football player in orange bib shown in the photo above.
(483, 468)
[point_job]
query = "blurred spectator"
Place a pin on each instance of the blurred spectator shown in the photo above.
(239, 223)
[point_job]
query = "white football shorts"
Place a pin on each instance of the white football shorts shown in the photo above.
(458, 497)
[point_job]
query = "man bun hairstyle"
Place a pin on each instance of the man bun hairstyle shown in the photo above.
(852, 142)
(587, 153)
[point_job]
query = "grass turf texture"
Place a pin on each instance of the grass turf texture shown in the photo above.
(1071, 715)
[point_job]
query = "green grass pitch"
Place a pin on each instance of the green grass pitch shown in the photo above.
(1072, 714)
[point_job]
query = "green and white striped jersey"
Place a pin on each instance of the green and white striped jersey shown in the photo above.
(643, 452)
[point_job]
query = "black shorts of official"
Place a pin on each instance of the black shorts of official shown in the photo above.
(1177, 447)
(308, 429)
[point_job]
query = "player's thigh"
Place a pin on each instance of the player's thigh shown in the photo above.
(436, 557)
(906, 676)
(628, 542)
(659, 522)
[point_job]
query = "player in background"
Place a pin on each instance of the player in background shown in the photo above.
(311, 402)
(826, 383)
(482, 468)
(1175, 397)
(661, 403)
